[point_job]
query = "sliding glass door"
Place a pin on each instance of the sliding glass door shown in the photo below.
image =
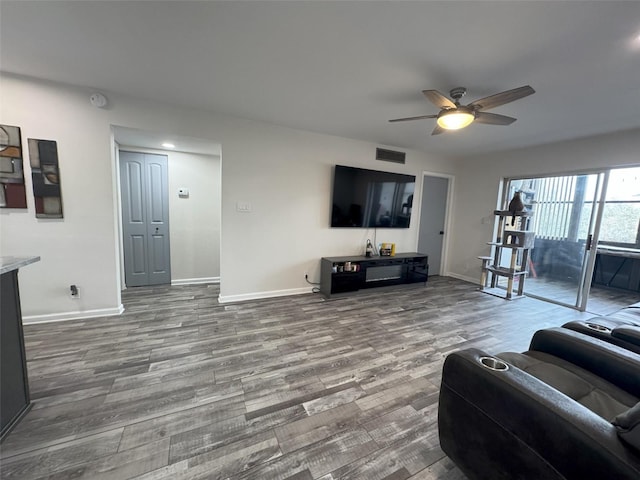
(566, 214)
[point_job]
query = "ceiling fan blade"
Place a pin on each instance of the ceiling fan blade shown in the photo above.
(493, 119)
(438, 130)
(498, 99)
(420, 117)
(438, 99)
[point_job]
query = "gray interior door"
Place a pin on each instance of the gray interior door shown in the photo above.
(145, 218)
(432, 218)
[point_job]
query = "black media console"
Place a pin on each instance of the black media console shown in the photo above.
(349, 274)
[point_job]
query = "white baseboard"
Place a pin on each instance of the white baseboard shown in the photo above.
(61, 317)
(475, 281)
(195, 281)
(259, 295)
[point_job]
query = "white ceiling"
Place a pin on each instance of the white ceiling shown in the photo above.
(346, 68)
(134, 137)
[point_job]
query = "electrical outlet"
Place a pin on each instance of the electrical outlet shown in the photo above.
(74, 292)
(306, 275)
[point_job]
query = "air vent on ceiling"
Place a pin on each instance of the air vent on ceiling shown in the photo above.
(390, 155)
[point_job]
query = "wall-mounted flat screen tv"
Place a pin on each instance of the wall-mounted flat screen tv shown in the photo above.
(371, 199)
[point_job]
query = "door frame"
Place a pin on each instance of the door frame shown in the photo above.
(589, 255)
(147, 160)
(586, 280)
(444, 254)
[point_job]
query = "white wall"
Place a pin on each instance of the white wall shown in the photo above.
(284, 173)
(81, 248)
(478, 179)
(194, 221)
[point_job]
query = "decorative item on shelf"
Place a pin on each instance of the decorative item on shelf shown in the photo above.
(515, 205)
(346, 267)
(387, 249)
(368, 251)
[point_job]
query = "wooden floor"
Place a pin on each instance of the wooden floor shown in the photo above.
(600, 297)
(180, 387)
(566, 291)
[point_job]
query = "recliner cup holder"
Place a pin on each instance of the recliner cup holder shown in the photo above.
(493, 363)
(598, 328)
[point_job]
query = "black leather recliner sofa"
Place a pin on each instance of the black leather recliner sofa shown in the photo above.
(621, 328)
(565, 409)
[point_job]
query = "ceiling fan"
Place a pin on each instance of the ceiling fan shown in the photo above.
(454, 116)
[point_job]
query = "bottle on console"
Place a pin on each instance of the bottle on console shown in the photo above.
(368, 251)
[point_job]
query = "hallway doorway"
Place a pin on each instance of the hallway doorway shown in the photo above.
(433, 217)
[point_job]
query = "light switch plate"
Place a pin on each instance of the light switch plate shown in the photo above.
(243, 207)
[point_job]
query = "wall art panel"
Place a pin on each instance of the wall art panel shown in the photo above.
(13, 193)
(45, 174)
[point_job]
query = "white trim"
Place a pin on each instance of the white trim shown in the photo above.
(195, 281)
(259, 295)
(464, 278)
(61, 317)
(117, 205)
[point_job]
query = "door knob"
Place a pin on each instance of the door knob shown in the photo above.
(157, 229)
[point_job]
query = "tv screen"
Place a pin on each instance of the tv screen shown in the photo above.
(371, 199)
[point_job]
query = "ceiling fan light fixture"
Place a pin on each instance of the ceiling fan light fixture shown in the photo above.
(455, 119)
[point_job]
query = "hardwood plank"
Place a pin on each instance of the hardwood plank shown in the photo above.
(217, 434)
(303, 475)
(388, 428)
(174, 470)
(315, 428)
(172, 424)
(414, 451)
(72, 396)
(56, 459)
(124, 464)
(395, 396)
(240, 456)
(272, 402)
(443, 469)
(319, 458)
(333, 400)
(401, 474)
(161, 388)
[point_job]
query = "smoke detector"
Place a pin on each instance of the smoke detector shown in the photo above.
(98, 100)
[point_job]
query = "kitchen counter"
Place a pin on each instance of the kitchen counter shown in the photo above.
(15, 400)
(8, 264)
